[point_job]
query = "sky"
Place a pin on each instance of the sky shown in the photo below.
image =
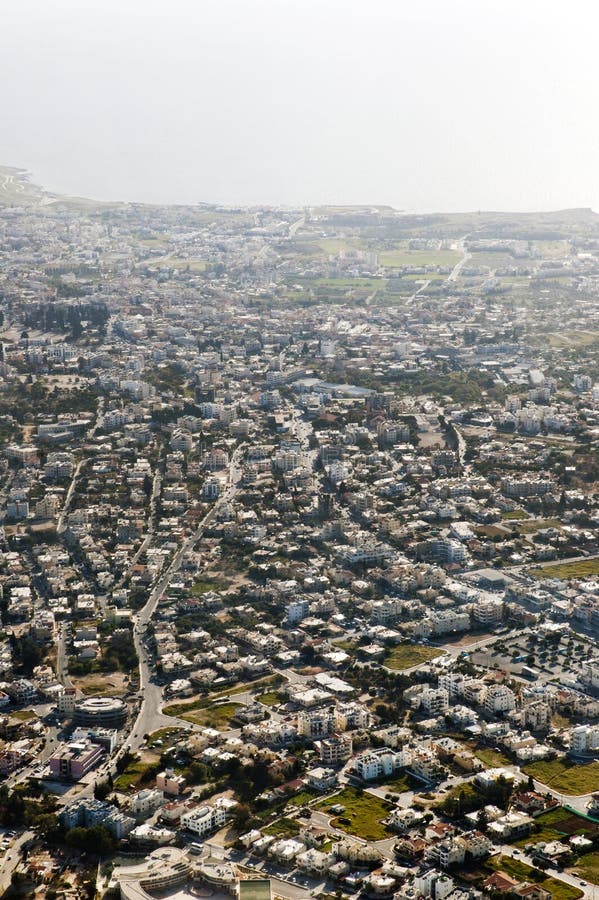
(427, 106)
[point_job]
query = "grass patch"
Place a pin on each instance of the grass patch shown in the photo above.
(584, 568)
(134, 775)
(562, 822)
(271, 698)
(23, 715)
(338, 245)
(587, 867)
(362, 816)
(520, 870)
(404, 656)
(173, 262)
(163, 734)
(492, 758)
(253, 686)
(204, 585)
(283, 828)
(302, 798)
(536, 525)
(401, 783)
(569, 339)
(399, 258)
(209, 716)
(565, 776)
(514, 514)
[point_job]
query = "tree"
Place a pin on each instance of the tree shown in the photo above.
(101, 790)
(96, 839)
(241, 816)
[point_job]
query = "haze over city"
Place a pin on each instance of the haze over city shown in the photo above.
(424, 106)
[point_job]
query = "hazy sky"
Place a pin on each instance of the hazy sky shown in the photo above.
(425, 105)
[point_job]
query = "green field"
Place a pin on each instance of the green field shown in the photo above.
(563, 822)
(173, 262)
(163, 734)
(204, 713)
(565, 776)
(569, 339)
(302, 798)
(283, 828)
(204, 585)
(133, 775)
(557, 825)
(398, 258)
(514, 514)
(404, 656)
(587, 867)
(533, 525)
(337, 245)
(271, 698)
(401, 783)
(516, 869)
(584, 568)
(492, 758)
(23, 715)
(362, 816)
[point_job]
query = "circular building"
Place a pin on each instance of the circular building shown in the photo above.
(101, 712)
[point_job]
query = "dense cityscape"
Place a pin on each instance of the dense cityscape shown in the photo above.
(299, 556)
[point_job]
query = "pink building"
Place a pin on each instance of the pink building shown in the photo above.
(72, 761)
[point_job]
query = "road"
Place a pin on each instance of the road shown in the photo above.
(62, 665)
(150, 717)
(156, 486)
(60, 526)
(10, 861)
(461, 246)
(296, 225)
(507, 850)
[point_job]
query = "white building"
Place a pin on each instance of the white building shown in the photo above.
(205, 819)
(499, 699)
(584, 740)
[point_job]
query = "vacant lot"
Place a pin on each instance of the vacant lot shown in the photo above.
(557, 825)
(530, 526)
(112, 685)
(584, 568)
(271, 698)
(564, 822)
(587, 867)
(565, 776)
(283, 828)
(401, 783)
(205, 585)
(514, 514)
(205, 713)
(23, 715)
(136, 773)
(302, 798)
(363, 814)
(491, 757)
(404, 656)
(401, 258)
(516, 869)
(570, 339)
